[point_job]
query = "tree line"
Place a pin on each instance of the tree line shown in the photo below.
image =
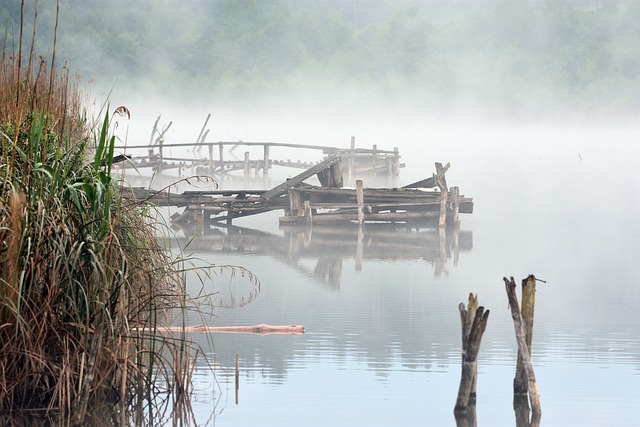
(511, 56)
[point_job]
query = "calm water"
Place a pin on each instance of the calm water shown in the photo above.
(382, 337)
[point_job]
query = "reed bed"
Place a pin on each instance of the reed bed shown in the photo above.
(83, 279)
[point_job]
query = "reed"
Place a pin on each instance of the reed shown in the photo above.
(83, 279)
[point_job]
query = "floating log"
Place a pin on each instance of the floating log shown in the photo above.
(523, 349)
(474, 322)
(261, 329)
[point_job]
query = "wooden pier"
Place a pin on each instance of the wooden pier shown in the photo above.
(304, 203)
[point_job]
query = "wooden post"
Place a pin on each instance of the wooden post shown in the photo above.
(230, 214)
(523, 350)
(336, 174)
(466, 319)
(352, 154)
(396, 164)
(441, 181)
(221, 156)
(211, 166)
(159, 169)
(360, 201)
(472, 331)
(294, 203)
(455, 195)
(308, 216)
(520, 384)
(374, 159)
(265, 172)
(247, 165)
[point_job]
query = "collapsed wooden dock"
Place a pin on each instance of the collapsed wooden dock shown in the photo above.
(304, 203)
(218, 159)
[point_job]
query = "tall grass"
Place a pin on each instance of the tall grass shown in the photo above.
(83, 279)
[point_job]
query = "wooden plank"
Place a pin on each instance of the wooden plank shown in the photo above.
(285, 186)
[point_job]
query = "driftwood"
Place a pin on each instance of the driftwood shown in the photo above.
(523, 349)
(261, 329)
(474, 323)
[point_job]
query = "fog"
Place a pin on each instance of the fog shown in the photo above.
(323, 69)
(534, 103)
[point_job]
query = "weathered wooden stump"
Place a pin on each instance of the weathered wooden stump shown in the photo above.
(474, 323)
(524, 355)
(520, 383)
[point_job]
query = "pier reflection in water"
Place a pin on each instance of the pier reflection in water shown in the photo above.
(331, 244)
(363, 296)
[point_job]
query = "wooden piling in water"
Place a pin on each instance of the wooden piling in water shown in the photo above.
(441, 182)
(455, 203)
(474, 322)
(247, 165)
(360, 201)
(308, 215)
(351, 164)
(520, 384)
(523, 349)
(466, 320)
(265, 167)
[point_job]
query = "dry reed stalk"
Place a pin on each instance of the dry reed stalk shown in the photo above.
(80, 275)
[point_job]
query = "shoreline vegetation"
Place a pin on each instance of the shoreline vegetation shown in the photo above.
(83, 278)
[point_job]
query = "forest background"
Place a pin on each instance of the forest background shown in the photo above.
(487, 58)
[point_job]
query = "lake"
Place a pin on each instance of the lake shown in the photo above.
(382, 336)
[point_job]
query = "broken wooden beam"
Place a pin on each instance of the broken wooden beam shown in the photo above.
(285, 186)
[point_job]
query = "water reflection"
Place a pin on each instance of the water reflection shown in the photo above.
(331, 245)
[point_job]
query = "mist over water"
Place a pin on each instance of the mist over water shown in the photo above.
(550, 200)
(534, 104)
